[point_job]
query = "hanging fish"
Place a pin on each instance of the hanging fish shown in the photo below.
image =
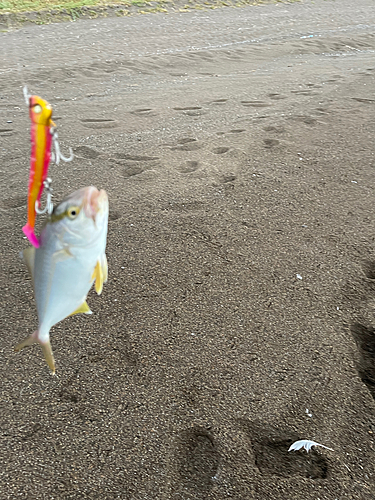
(71, 256)
(43, 135)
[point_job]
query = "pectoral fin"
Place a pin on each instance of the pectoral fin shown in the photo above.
(100, 274)
(83, 308)
(62, 255)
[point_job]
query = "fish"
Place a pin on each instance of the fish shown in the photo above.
(41, 140)
(70, 258)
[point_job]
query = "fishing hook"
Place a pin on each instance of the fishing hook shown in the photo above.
(49, 205)
(56, 156)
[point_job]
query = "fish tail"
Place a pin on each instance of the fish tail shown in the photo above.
(29, 232)
(28, 341)
(46, 348)
(48, 355)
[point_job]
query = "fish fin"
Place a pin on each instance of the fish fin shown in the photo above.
(32, 339)
(105, 267)
(46, 348)
(83, 308)
(29, 258)
(98, 276)
(48, 355)
(62, 254)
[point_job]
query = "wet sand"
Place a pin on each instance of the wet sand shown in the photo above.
(236, 146)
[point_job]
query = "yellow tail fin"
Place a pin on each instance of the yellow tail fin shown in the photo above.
(46, 348)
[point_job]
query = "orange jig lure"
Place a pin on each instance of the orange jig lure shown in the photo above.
(43, 134)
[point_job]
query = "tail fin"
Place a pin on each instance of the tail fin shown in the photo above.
(46, 348)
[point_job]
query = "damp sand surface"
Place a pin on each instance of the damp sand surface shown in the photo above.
(236, 146)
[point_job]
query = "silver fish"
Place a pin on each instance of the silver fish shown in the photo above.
(70, 258)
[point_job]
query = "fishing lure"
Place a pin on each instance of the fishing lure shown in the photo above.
(43, 135)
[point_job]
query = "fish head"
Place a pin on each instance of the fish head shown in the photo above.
(82, 218)
(40, 111)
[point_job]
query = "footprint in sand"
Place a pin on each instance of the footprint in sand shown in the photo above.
(132, 170)
(15, 202)
(133, 164)
(143, 112)
(270, 143)
(71, 390)
(6, 131)
(190, 146)
(220, 150)
(228, 178)
(303, 92)
(334, 79)
(197, 461)
(278, 129)
(308, 120)
(219, 101)
(191, 110)
(256, 104)
(188, 167)
(112, 216)
(185, 140)
(322, 110)
(369, 270)
(359, 293)
(123, 156)
(86, 152)
(270, 448)
(364, 337)
(99, 123)
(97, 70)
(363, 99)
(276, 96)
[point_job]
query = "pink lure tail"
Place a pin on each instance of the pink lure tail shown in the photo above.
(29, 233)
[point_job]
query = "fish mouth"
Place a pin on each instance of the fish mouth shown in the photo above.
(95, 201)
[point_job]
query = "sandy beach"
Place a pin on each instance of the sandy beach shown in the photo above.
(237, 150)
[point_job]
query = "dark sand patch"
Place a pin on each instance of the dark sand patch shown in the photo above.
(239, 311)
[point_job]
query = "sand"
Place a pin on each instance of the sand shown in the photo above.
(236, 146)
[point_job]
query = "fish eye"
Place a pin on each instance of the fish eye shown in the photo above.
(37, 108)
(73, 212)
